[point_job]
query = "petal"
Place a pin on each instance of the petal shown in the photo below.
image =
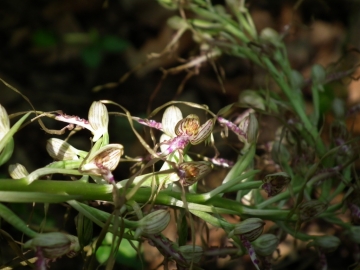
(107, 157)
(61, 150)
(4, 122)
(17, 171)
(188, 126)
(171, 117)
(98, 119)
(203, 132)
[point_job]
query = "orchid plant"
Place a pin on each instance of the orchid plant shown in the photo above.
(309, 176)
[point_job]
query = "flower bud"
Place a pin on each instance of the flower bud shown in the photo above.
(191, 253)
(61, 150)
(98, 119)
(270, 35)
(310, 209)
(153, 223)
(297, 80)
(54, 244)
(252, 99)
(17, 171)
(176, 23)
(318, 74)
(326, 243)
(250, 228)
(191, 172)
(275, 183)
(266, 244)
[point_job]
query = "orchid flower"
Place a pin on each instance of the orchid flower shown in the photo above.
(97, 123)
(179, 131)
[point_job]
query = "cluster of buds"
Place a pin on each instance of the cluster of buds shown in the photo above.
(50, 246)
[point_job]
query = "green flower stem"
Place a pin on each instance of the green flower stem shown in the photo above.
(217, 222)
(233, 185)
(295, 233)
(240, 166)
(100, 216)
(46, 171)
(282, 196)
(89, 191)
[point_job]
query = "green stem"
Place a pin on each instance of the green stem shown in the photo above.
(89, 191)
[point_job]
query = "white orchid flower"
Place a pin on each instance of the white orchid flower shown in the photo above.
(179, 131)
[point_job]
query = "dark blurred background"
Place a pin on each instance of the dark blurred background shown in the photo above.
(56, 52)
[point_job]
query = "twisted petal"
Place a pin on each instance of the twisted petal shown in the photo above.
(189, 126)
(171, 117)
(203, 132)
